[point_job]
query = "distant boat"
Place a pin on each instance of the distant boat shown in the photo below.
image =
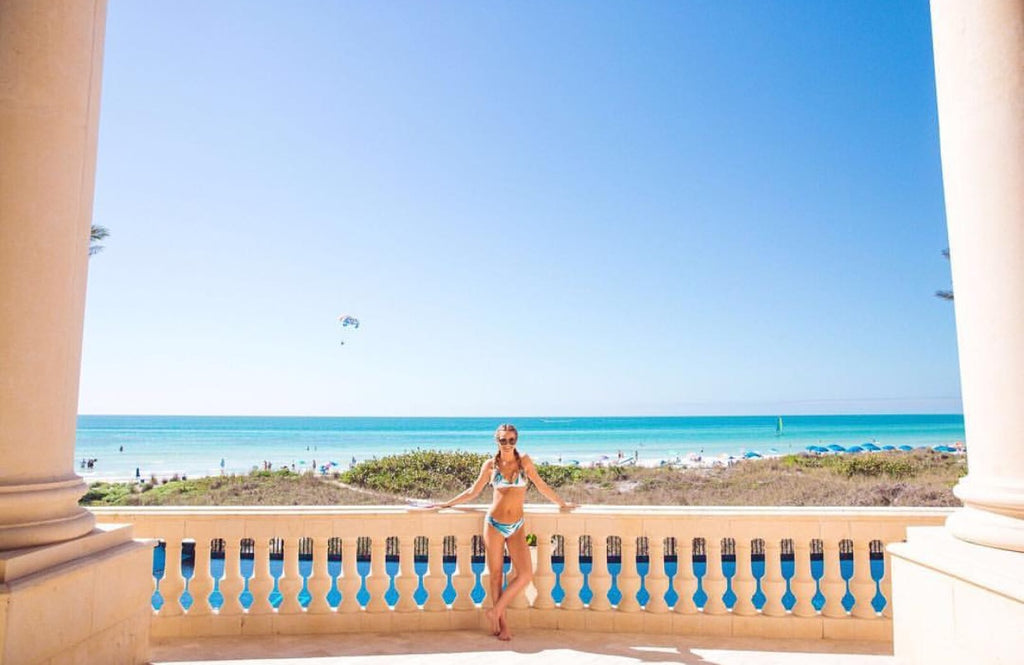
(778, 427)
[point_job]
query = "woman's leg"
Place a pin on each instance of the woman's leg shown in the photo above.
(494, 544)
(519, 552)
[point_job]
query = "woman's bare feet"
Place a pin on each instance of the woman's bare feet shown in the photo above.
(505, 635)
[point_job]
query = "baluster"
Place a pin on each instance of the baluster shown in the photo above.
(729, 572)
(832, 584)
(319, 582)
(350, 582)
(714, 580)
(600, 578)
(232, 584)
(876, 570)
(202, 582)
(629, 578)
(572, 579)
(862, 586)
(378, 581)
(774, 584)
(543, 576)
(686, 583)
(262, 583)
(885, 584)
(657, 580)
(464, 577)
(436, 580)
(743, 582)
(173, 584)
(291, 580)
(802, 584)
(407, 580)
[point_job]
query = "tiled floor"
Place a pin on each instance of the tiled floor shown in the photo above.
(535, 646)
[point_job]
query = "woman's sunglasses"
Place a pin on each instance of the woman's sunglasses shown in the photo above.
(507, 442)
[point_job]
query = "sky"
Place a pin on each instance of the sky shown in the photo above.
(533, 208)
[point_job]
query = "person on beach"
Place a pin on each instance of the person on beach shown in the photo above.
(510, 473)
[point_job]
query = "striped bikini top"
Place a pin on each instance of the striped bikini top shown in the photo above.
(498, 481)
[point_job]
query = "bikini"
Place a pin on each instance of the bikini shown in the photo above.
(499, 482)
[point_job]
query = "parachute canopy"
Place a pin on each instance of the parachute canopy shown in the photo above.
(348, 324)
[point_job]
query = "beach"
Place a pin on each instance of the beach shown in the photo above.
(129, 447)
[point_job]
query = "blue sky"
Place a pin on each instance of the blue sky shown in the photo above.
(534, 208)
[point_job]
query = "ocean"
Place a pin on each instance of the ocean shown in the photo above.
(161, 446)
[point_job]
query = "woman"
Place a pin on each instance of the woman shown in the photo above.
(510, 474)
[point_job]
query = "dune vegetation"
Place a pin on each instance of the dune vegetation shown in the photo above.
(917, 478)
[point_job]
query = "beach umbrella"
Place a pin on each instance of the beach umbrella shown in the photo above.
(906, 448)
(751, 454)
(889, 447)
(945, 449)
(870, 446)
(854, 449)
(835, 447)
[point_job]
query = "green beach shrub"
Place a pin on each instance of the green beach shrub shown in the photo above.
(893, 465)
(418, 473)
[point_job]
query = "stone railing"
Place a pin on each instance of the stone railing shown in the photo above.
(780, 572)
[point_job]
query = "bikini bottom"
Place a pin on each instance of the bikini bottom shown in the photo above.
(504, 529)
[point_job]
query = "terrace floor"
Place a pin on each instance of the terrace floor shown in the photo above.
(531, 645)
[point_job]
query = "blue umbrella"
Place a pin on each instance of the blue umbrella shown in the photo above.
(750, 454)
(870, 446)
(906, 447)
(854, 449)
(889, 447)
(837, 448)
(945, 449)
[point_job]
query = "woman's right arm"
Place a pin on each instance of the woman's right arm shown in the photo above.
(472, 492)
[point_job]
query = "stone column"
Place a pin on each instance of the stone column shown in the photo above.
(957, 591)
(50, 65)
(979, 73)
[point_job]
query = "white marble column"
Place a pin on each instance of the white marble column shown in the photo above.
(979, 73)
(50, 66)
(956, 591)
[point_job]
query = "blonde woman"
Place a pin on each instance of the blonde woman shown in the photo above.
(510, 473)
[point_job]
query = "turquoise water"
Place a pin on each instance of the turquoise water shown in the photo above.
(195, 445)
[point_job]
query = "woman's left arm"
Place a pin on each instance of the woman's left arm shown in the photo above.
(543, 487)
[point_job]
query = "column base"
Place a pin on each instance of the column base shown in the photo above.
(84, 600)
(955, 602)
(984, 527)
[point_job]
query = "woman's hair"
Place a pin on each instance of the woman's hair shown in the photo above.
(507, 427)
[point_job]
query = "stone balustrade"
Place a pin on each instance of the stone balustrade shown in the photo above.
(775, 572)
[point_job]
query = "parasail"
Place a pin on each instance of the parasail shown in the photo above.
(348, 323)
